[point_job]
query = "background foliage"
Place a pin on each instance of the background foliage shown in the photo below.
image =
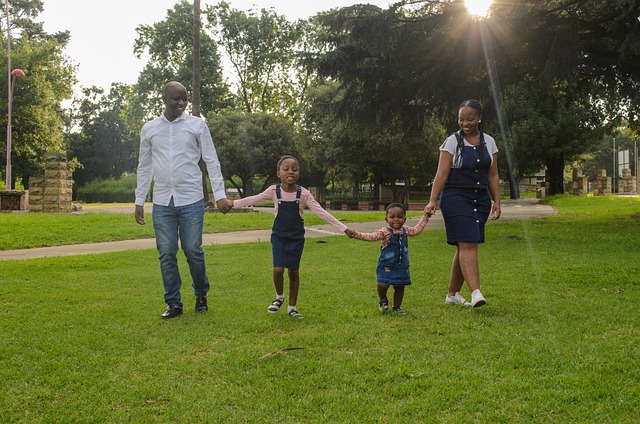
(369, 93)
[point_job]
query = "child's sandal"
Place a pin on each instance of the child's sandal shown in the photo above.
(295, 314)
(275, 305)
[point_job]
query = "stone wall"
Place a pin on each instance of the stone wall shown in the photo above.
(52, 192)
(579, 183)
(626, 182)
(14, 200)
(602, 185)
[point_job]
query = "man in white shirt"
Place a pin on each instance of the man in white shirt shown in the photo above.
(170, 148)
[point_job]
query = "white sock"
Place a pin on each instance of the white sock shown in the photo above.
(475, 292)
(280, 296)
(291, 308)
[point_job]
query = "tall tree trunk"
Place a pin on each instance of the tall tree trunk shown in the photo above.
(195, 101)
(555, 173)
(514, 187)
(195, 88)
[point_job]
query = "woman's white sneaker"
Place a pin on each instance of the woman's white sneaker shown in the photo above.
(456, 299)
(477, 299)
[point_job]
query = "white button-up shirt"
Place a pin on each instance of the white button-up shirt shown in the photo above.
(169, 154)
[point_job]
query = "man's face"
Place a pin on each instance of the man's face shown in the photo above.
(175, 101)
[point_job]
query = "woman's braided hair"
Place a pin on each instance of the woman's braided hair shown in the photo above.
(472, 103)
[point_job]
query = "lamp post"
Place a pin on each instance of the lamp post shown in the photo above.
(613, 174)
(8, 168)
(14, 74)
(11, 82)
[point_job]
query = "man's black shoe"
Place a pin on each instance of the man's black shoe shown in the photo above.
(172, 312)
(201, 304)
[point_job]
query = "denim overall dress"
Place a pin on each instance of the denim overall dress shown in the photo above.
(287, 234)
(465, 201)
(393, 264)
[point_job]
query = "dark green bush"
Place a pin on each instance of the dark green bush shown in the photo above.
(109, 191)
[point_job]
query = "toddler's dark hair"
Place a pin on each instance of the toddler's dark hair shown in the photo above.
(395, 205)
(283, 158)
(472, 103)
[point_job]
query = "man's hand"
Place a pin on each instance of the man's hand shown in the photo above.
(224, 205)
(139, 214)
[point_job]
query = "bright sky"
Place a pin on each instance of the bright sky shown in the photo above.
(103, 32)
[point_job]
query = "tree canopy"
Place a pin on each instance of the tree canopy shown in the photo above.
(38, 119)
(260, 46)
(423, 57)
(358, 93)
(248, 145)
(105, 146)
(169, 45)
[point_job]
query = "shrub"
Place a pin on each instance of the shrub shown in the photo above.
(109, 191)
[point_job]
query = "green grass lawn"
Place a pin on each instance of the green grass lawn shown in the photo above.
(28, 230)
(82, 338)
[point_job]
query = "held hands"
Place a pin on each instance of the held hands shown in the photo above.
(224, 205)
(431, 208)
(351, 233)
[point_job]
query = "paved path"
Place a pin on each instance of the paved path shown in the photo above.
(511, 210)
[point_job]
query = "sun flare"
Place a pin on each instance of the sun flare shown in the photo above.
(478, 8)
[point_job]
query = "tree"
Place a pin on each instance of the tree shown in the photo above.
(350, 152)
(261, 48)
(386, 85)
(410, 61)
(169, 44)
(196, 76)
(561, 100)
(329, 143)
(247, 145)
(21, 17)
(105, 147)
(37, 117)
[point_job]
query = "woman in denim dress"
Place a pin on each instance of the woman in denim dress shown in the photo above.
(467, 181)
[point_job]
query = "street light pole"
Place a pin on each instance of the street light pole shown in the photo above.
(8, 167)
(613, 175)
(635, 157)
(12, 85)
(11, 82)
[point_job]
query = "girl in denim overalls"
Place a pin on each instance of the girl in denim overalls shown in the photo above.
(287, 234)
(393, 264)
